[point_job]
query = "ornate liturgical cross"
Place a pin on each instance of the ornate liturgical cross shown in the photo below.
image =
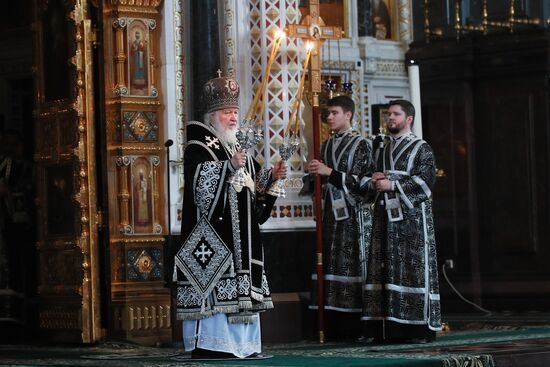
(313, 29)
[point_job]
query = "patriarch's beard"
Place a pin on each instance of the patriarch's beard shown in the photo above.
(226, 135)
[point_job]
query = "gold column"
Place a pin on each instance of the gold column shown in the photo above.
(135, 145)
(120, 58)
(124, 194)
(85, 36)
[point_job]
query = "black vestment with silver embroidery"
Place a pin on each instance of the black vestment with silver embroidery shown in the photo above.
(346, 221)
(220, 266)
(402, 280)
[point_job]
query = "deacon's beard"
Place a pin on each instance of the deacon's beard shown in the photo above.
(226, 135)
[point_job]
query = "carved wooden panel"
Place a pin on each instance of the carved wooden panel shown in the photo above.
(139, 126)
(59, 208)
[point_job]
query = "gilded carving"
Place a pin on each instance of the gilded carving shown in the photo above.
(137, 3)
(140, 240)
(121, 91)
(140, 126)
(119, 23)
(59, 318)
(122, 149)
(123, 161)
(148, 316)
(61, 269)
(144, 264)
(134, 102)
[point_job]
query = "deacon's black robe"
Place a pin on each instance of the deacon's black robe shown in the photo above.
(220, 265)
(402, 283)
(346, 222)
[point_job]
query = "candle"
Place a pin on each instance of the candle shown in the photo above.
(258, 98)
(414, 89)
(265, 81)
(296, 105)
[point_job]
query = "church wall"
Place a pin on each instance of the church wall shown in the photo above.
(485, 108)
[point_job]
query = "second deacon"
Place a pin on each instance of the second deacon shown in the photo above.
(346, 160)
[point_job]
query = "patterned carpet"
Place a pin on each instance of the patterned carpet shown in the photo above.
(479, 348)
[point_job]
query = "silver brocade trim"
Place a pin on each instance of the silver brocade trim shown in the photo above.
(203, 258)
(407, 143)
(423, 185)
(244, 285)
(235, 223)
(265, 286)
(403, 195)
(339, 278)
(188, 296)
(226, 289)
(412, 157)
(208, 181)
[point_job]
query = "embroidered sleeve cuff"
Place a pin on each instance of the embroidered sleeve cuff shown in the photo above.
(365, 182)
(336, 178)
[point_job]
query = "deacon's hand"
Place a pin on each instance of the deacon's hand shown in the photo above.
(383, 185)
(279, 171)
(319, 168)
(378, 176)
(239, 159)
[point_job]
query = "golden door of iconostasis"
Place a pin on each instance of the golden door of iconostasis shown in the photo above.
(100, 171)
(66, 176)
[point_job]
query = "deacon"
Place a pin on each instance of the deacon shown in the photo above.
(346, 158)
(219, 270)
(402, 290)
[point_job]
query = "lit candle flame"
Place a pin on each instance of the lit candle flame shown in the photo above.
(256, 107)
(280, 34)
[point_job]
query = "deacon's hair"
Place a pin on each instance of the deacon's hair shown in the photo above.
(342, 101)
(406, 106)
